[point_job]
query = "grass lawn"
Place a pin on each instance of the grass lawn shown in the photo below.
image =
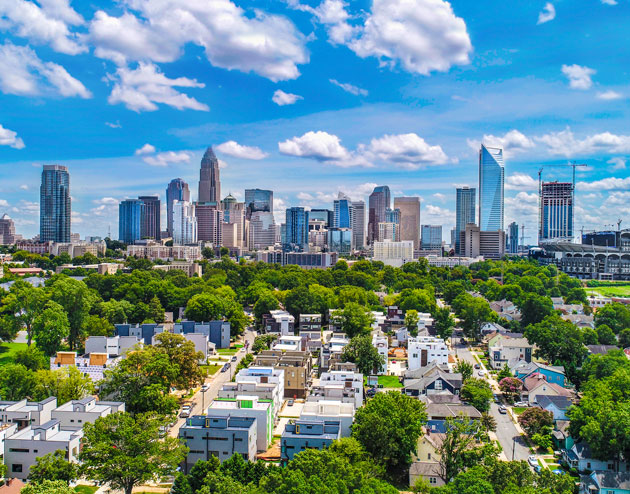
(227, 351)
(389, 382)
(7, 351)
(518, 410)
(610, 291)
(86, 489)
(211, 369)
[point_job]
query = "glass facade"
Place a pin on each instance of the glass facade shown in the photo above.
(151, 217)
(343, 212)
(464, 211)
(378, 202)
(431, 237)
(55, 213)
(296, 236)
(177, 190)
(556, 218)
(258, 200)
(130, 220)
(209, 179)
(491, 180)
(513, 238)
(340, 240)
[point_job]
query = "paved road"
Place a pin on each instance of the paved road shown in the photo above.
(215, 382)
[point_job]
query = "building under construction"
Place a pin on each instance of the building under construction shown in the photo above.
(556, 212)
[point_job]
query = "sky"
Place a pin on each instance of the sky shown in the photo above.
(310, 98)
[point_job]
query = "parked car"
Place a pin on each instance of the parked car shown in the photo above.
(497, 399)
(477, 366)
(537, 469)
(371, 392)
(481, 373)
(225, 367)
(532, 460)
(185, 413)
(521, 404)
(290, 402)
(557, 471)
(502, 409)
(234, 358)
(205, 388)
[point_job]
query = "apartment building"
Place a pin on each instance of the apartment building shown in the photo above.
(330, 411)
(300, 435)
(424, 350)
(297, 367)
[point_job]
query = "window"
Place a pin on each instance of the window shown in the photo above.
(18, 450)
(238, 439)
(588, 465)
(428, 456)
(432, 480)
(16, 468)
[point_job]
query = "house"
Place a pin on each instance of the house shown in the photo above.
(313, 339)
(330, 411)
(310, 322)
(112, 346)
(509, 350)
(334, 321)
(506, 310)
(427, 470)
(600, 349)
(580, 457)
(265, 382)
(92, 365)
(597, 302)
(599, 482)
(218, 332)
(536, 386)
(492, 327)
(424, 371)
(289, 343)
(297, 367)
(437, 414)
(331, 351)
(344, 386)
(425, 460)
(553, 374)
(423, 350)
(12, 486)
(279, 322)
(381, 343)
(220, 436)
(74, 414)
(437, 382)
(300, 435)
(25, 413)
(558, 405)
(492, 339)
(378, 319)
(580, 320)
(144, 332)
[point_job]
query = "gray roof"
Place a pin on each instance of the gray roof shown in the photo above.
(424, 468)
(561, 402)
(454, 379)
(451, 410)
(612, 480)
(601, 349)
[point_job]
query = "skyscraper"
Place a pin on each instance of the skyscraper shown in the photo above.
(431, 237)
(325, 215)
(409, 219)
(209, 180)
(513, 238)
(378, 202)
(177, 190)
(209, 223)
(7, 230)
(358, 224)
(491, 178)
(130, 213)
(556, 211)
(258, 200)
(296, 237)
(55, 213)
(464, 212)
(184, 223)
(343, 212)
(262, 230)
(151, 217)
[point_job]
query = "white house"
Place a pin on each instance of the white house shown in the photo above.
(381, 342)
(265, 382)
(345, 386)
(25, 413)
(424, 350)
(330, 411)
(92, 365)
(288, 343)
(74, 414)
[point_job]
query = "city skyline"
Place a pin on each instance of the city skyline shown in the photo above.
(323, 114)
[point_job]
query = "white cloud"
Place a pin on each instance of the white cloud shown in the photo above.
(4, 203)
(609, 95)
(114, 125)
(269, 45)
(618, 163)
(24, 187)
(233, 148)
(76, 218)
(222, 164)
(304, 196)
(349, 88)
(579, 76)
(107, 201)
(513, 142)
(564, 143)
(321, 146)
(520, 181)
(609, 2)
(24, 74)
(408, 150)
(47, 23)
(610, 183)
(140, 89)
(439, 196)
(332, 14)
(10, 138)
(281, 98)
(167, 157)
(146, 149)
(547, 14)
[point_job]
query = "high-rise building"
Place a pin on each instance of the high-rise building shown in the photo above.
(258, 200)
(184, 223)
(513, 238)
(392, 215)
(296, 237)
(130, 212)
(151, 217)
(409, 219)
(55, 211)
(209, 180)
(343, 212)
(464, 212)
(387, 231)
(177, 190)
(378, 202)
(491, 179)
(340, 240)
(475, 242)
(325, 215)
(358, 224)
(209, 223)
(7, 230)
(234, 213)
(431, 237)
(262, 230)
(556, 211)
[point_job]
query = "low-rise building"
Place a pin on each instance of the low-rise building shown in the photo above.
(218, 332)
(289, 343)
(423, 350)
(300, 435)
(558, 405)
(310, 322)
(381, 343)
(92, 365)
(509, 351)
(605, 482)
(297, 367)
(535, 386)
(24, 413)
(331, 351)
(220, 436)
(74, 414)
(313, 339)
(144, 332)
(451, 262)
(438, 413)
(552, 373)
(279, 322)
(337, 385)
(112, 345)
(330, 411)
(154, 252)
(190, 268)
(265, 382)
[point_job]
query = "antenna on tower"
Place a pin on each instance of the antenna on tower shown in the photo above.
(109, 231)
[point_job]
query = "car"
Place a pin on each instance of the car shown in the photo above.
(532, 460)
(497, 399)
(225, 368)
(477, 366)
(290, 402)
(537, 469)
(371, 392)
(205, 388)
(185, 413)
(503, 409)
(521, 404)
(481, 373)
(234, 358)
(557, 471)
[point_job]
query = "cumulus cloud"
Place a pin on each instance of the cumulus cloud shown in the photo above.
(564, 143)
(269, 45)
(24, 187)
(141, 89)
(513, 142)
(439, 196)
(146, 149)
(579, 76)
(47, 23)
(547, 14)
(281, 98)
(233, 148)
(333, 15)
(4, 203)
(609, 95)
(107, 201)
(349, 88)
(114, 125)
(167, 157)
(610, 183)
(617, 163)
(318, 145)
(10, 138)
(23, 73)
(520, 181)
(408, 150)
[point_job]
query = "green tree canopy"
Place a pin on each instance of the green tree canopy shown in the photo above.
(51, 328)
(355, 319)
(53, 466)
(478, 393)
(365, 355)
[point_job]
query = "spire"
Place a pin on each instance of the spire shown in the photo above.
(209, 158)
(209, 182)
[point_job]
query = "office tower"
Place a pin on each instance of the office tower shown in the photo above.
(296, 237)
(556, 211)
(209, 223)
(340, 240)
(342, 212)
(358, 224)
(258, 200)
(453, 237)
(409, 219)
(7, 230)
(464, 211)
(151, 217)
(209, 181)
(491, 177)
(228, 202)
(475, 242)
(387, 231)
(378, 202)
(513, 238)
(177, 190)
(234, 214)
(55, 213)
(431, 237)
(325, 215)
(184, 223)
(262, 230)
(130, 212)
(392, 215)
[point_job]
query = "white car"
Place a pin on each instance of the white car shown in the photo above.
(532, 460)
(481, 373)
(521, 404)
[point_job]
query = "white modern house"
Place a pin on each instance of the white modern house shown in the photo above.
(25, 413)
(424, 350)
(288, 343)
(330, 411)
(92, 365)
(266, 383)
(381, 343)
(74, 414)
(344, 386)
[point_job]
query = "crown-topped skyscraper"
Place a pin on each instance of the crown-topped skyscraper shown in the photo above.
(209, 181)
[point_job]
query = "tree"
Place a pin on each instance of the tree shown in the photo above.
(465, 369)
(504, 372)
(16, 382)
(263, 342)
(77, 300)
(156, 311)
(207, 253)
(388, 427)
(605, 335)
(361, 351)
(411, 321)
(125, 451)
(624, 338)
(181, 353)
(47, 487)
(478, 393)
(535, 420)
(98, 326)
(50, 328)
(488, 422)
(461, 435)
(444, 322)
(53, 466)
(32, 358)
(265, 303)
(116, 311)
(66, 384)
(534, 308)
(511, 387)
(616, 316)
(181, 485)
(204, 307)
(355, 319)
(20, 307)
(473, 312)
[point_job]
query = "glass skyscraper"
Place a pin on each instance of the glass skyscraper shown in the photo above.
(177, 190)
(378, 202)
(343, 212)
(55, 213)
(464, 211)
(296, 237)
(130, 212)
(151, 217)
(431, 237)
(491, 178)
(258, 200)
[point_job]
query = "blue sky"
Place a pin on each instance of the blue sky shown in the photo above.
(310, 98)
